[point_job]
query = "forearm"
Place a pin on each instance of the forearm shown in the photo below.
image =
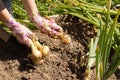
(4, 14)
(30, 7)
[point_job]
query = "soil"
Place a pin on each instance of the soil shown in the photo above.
(64, 61)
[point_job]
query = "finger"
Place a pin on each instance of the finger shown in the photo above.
(56, 27)
(54, 32)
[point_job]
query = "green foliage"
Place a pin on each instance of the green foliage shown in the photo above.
(18, 10)
(44, 7)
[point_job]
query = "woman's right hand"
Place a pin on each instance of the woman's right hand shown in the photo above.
(21, 32)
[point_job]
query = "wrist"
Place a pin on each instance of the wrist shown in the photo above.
(37, 19)
(12, 23)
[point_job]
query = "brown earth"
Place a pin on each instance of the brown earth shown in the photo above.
(64, 61)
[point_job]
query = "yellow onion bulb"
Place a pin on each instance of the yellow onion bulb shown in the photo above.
(45, 50)
(35, 52)
(66, 39)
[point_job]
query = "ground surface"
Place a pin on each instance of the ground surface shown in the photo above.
(63, 63)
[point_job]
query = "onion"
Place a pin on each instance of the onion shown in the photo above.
(35, 51)
(38, 51)
(45, 50)
(38, 45)
(65, 38)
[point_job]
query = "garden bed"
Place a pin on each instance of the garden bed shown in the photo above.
(64, 62)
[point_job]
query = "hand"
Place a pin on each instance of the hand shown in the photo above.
(21, 32)
(47, 26)
(25, 36)
(51, 28)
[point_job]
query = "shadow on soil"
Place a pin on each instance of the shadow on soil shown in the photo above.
(13, 50)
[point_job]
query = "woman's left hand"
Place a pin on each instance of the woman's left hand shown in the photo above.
(46, 25)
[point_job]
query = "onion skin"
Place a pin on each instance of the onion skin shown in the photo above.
(45, 51)
(38, 45)
(38, 51)
(36, 54)
(65, 38)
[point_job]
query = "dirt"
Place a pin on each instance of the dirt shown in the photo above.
(64, 61)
